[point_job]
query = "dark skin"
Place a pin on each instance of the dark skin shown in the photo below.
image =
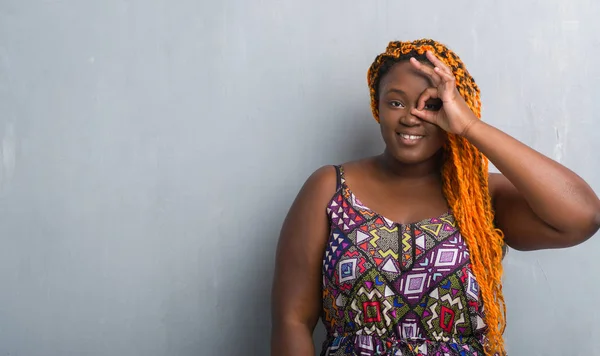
(541, 208)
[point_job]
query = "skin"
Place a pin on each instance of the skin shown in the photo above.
(541, 208)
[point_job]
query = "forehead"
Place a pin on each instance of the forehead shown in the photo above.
(405, 77)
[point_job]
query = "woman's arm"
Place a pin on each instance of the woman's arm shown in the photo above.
(296, 295)
(539, 203)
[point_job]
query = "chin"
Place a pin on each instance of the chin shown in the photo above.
(413, 158)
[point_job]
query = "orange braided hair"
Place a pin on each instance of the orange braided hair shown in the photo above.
(465, 183)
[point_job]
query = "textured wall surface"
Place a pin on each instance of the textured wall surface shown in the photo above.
(149, 150)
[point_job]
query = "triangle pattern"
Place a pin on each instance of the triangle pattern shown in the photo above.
(361, 236)
(420, 241)
(433, 228)
(388, 292)
(389, 266)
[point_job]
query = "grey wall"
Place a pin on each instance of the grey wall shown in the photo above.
(149, 150)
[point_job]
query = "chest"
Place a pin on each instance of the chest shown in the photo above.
(403, 204)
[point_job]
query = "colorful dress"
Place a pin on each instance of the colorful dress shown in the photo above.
(397, 289)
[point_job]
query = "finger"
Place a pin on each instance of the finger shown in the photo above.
(429, 93)
(437, 62)
(427, 70)
(445, 76)
(425, 115)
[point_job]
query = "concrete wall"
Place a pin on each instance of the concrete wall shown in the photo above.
(149, 150)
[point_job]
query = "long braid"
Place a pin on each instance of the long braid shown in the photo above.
(465, 184)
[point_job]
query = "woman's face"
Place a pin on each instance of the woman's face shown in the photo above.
(408, 139)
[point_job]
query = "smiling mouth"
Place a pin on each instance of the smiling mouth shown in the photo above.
(410, 137)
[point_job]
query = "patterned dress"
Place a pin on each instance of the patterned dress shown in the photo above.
(394, 289)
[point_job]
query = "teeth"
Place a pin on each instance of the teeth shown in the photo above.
(411, 137)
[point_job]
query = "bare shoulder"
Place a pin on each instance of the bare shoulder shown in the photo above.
(320, 185)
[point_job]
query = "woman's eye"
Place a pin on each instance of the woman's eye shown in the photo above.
(396, 104)
(433, 107)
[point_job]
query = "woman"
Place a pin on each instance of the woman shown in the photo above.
(401, 253)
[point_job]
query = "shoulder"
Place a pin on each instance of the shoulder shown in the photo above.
(323, 175)
(323, 182)
(321, 185)
(323, 179)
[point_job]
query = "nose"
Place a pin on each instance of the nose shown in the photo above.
(409, 120)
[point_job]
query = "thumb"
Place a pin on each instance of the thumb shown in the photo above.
(425, 115)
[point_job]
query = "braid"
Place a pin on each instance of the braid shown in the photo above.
(465, 183)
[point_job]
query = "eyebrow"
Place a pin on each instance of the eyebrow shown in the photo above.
(394, 90)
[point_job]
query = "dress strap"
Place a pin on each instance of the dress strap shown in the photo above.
(338, 173)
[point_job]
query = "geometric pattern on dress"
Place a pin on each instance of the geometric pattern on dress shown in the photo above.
(444, 311)
(408, 248)
(337, 244)
(432, 266)
(397, 289)
(352, 264)
(373, 307)
(371, 345)
(343, 215)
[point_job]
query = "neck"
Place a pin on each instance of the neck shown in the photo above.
(426, 170)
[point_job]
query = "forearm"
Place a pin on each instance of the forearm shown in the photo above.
(557, 195)
(291, 339)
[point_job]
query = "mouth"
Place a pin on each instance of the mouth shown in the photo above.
(409, 139)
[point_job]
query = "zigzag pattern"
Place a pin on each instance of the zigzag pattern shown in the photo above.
(459, 321)
(369, 294)
(384, 254)
(374, 330)
(358, 317)
(388, 306)
(455, 301)
(440, 336)
(434, 315)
